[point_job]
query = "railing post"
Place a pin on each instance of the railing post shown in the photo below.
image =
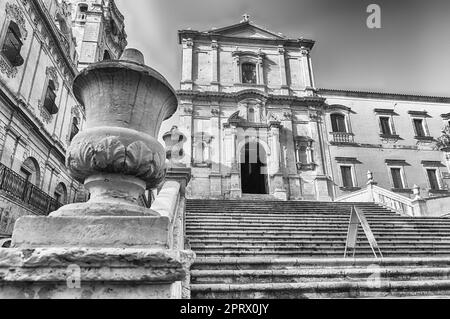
(419, 205)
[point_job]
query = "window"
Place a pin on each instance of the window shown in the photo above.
(50, 98)
(397, 178)
(418, 126)
(347, 176)
(106, 56)
(433, 179)
(251, 115)
(60, 193)
(82, 10)
(201, 153)
(338, 123)
(385, 123)
(248, 73)
(75, 129)
(12, 45)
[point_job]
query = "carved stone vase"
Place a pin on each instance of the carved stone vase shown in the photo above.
(117, 155)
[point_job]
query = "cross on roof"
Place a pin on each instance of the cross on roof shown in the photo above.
(246, 17)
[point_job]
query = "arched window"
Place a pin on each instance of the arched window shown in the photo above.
(338, 123)
(61, 193)
(75, 128)
(106, 56)
(30, 171)
(50, 98)
(248, 73)
(12, 45)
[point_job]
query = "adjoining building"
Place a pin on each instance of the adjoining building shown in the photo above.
(41, 42)
(259, 125)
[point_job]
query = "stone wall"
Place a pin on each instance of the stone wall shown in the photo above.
(10, 212)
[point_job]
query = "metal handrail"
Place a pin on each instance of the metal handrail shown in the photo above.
(18, 187)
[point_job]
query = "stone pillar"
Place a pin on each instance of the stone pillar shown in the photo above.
(283, 73)
(260, 70)
(232, 160)
(109, 247)
(420, 208)
(215, 66)
(322, 179)
(188, 55)
(215, 177)
(304, 62)
(274, 167)
(186, 127)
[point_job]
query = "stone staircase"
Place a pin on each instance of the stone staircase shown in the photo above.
(274, 249)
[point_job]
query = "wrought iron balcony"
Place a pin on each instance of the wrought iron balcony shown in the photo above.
(19, 188)
(342, 138)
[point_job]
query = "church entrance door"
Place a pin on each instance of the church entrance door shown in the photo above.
(254, 169)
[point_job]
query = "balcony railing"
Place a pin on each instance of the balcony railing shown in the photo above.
(16, 186)
(341, 137)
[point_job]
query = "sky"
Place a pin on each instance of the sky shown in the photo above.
(409, 54)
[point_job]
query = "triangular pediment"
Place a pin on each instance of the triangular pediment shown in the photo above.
(247, 30)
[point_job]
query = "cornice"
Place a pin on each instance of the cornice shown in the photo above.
(56, 38)
(236, 97)
(210, 36)
(385, 95)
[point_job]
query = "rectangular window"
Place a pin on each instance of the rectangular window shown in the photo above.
(347, 176)
(385, 123)
(418, 126)
(433, 179)
(397, 178)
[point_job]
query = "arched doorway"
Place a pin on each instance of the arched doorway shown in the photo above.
(254, 169)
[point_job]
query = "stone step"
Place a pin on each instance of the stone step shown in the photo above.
(340, 241)
(313, 245)
(236, 223)
(264, 238)
(300, 263)
(224, 232)
(319, 253)
(324, 289)
(343, 228)
(371, 272)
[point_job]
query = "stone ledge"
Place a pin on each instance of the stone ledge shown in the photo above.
(101, 273)
(96, 265)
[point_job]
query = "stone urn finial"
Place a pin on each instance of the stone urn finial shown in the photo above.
(117, 155)
(174, 140)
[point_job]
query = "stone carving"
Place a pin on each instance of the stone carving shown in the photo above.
(47, 118)
(53, 75)
(117, 155)
(13, 12)
(6, 68)
(443, 142)
(110, 155)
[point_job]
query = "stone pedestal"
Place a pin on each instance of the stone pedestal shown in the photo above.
(80, 273)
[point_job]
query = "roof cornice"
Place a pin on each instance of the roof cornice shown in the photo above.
(385, 95)
(210, 36)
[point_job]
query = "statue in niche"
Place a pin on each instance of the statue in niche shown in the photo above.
(249, 73)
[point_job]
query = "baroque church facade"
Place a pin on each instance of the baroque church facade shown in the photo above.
(255, 123)
(44, 43)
